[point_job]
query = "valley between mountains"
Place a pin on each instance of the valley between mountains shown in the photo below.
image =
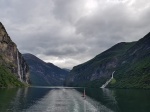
(129, 60)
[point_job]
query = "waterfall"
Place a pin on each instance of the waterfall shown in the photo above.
(18, 63)
(107, 82)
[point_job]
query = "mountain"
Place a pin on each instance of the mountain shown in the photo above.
(44, 74)
(98, 70)
(130, 61)
(13, 69)
(134, 67)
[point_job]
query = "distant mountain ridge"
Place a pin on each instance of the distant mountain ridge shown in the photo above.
(66, 69)
(130, 61)
(44, 74)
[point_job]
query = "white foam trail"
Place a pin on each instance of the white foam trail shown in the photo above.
(66, 100)
(107, 82)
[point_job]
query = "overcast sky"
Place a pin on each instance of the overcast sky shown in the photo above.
(70, 32)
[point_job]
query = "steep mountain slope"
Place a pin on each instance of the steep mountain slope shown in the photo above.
(130, 61)
(96, 71)
(134, 69)
(12, 64)
(44, 74)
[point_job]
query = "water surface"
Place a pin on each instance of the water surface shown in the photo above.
(45, 99)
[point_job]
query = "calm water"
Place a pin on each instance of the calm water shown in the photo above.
(36, 99)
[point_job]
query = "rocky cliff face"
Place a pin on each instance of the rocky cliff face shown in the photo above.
(11, 58)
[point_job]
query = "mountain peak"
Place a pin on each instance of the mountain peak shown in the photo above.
(146, 38)
(44, 74)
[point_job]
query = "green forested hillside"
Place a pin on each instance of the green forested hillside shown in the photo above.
(134, 68)
(98, 70)
(7, 79)
(130, 61)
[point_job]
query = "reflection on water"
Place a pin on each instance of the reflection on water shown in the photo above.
(15, 100)
(110, 97)
(133, 100)
(69, 100)
(6, 95)
(122, 100)
(104, 96)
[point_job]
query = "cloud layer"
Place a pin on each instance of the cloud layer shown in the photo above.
(70, 32)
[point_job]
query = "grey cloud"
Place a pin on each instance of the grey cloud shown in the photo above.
(68, 10)
(116, 21)
(65, 33)
(66, 50)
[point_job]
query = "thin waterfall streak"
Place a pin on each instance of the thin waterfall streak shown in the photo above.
(18, 63)
(107, 82)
